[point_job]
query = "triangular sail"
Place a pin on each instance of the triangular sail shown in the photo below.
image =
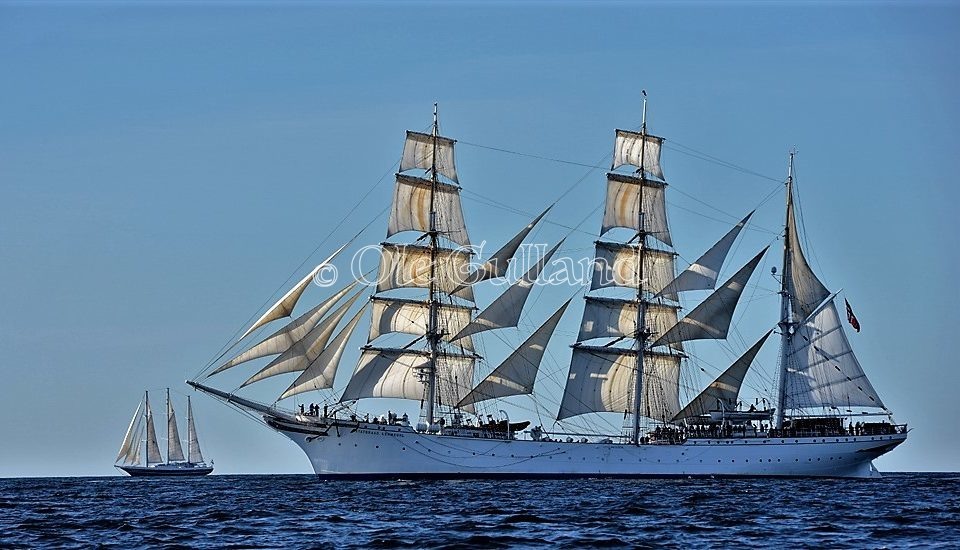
(711, 319)
(284, 306)
(174, 447)
(702, 274)
(283, 339)
(153, 449)
(722, 393)
(299, 356)
(419, 152)
(806, 290)
(194, 455)
(506, 309)
(129, 437)
(821, 369)
(518, 372)
(322, 370)
(496, 266)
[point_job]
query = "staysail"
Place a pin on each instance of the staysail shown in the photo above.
(496, 266)
(153, 449)
(131, 437)
(174, 447)
(194, 456)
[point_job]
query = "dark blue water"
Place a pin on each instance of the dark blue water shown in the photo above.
(299, 511)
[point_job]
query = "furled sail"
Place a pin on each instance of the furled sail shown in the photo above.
(412, 317)
(506, 309)
(711, 318)
(638, 150)
(821, 369)
(602, 380)
(497, 265)
(284, 306)
(403, 266)
(722, 393)
(153, 449)
(517, 373)
(399, 373)
(418, 153)
(702, 274)
(283, 339)
(806, 290)
(617, 318)
(299, 356)
(623, 208)
(130, 437)
(193, 450)
(322, 370)
(411, 209)
(174, 448)
(619, 265)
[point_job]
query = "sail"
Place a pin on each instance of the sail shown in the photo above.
(619, 265)
(517, 373)
(128, 438)
(386, 372)
(174, 448)
(496, 266)
(602, 380)
(153, 449)
(505, 310)
(418, 152)
(617, 318)
(722, 393)
(638, 150)
(134, 457)
(411, 209)
(623, 206)
(284, 306)
(412, 317)
(806, 290)
(821, 369)
(403, 266)
(702, 274)
(322, 370)
(193, 450)
(283, 339)
(711, 319)
(298, 357)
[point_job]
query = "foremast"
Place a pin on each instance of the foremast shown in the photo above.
(642, 332)
(433, 330)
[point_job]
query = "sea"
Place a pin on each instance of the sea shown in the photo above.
(299, 511)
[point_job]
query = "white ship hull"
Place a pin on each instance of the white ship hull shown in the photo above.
(369, 451)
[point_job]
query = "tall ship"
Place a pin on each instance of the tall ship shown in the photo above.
(142, 433)
(824, 418)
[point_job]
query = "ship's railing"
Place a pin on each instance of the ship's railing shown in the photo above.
(740, 432)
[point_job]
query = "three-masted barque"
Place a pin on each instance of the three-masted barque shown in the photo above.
(627, 358)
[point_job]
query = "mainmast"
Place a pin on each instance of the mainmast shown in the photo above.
(433, 334)
(642, 332)
(786, 321)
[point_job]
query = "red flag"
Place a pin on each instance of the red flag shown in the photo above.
(851, 318)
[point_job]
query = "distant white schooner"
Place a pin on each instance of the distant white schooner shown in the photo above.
(627, 358)
(129, 458)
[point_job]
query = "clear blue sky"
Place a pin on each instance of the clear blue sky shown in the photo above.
(165, 167)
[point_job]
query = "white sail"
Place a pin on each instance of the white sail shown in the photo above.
(174, 447)
(412, 317)
(299, 356)
(194, 455)
(619, 265)
(506, 309)
(128, 438)
(398, 373)
(722, 393)
(403, 266)
(134, 457)
(623, 206)
(602, 380)
(702, 274)
(283, 339)
(617, 318)
(153, 449)
(496, 266)
(411, 209)
(284, 306)
(822, 370)
(711, 319)
(806, 290)
(322, 370)
(418, 153)
(638, 150)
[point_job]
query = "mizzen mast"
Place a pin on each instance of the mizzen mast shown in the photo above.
(786, 320)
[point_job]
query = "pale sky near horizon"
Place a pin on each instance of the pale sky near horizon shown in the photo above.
(164, 167)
